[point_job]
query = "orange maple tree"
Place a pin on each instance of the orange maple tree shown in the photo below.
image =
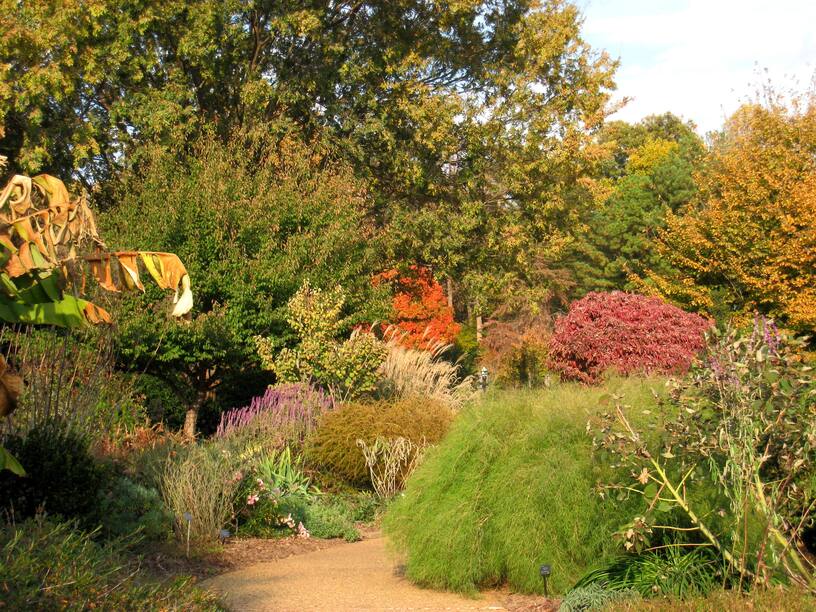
(420, 309)
(750, 243)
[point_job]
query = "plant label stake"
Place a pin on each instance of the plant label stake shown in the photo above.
(545, 571)
(189, 518)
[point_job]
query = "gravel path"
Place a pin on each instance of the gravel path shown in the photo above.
(357, 576)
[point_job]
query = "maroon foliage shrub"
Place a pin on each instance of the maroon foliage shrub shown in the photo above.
(625, 332)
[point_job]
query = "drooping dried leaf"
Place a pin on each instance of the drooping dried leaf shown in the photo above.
(42, 230)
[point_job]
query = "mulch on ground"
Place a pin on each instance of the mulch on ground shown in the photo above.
(233, 554)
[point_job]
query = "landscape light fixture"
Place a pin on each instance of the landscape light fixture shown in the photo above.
(545, 572)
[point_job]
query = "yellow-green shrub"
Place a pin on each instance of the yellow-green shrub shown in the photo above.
(333, 445)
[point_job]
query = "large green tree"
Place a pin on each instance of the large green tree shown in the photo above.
(748, 244)
(253, 218)
(649, 172)
(467, 119)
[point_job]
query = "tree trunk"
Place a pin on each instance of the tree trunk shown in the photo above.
(450, 293)
(206, 390)
(190, 421)
(478, 329)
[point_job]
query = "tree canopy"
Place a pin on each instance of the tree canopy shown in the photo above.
(468, 120)
(749, 242)
(648, 173)
(253, 218)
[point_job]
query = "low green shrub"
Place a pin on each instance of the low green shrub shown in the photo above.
(510, 488)
(45, 565)
(364, 506)
(670, 572)
(333, 445)
(331, 518)
(275, 498)
(127, 507)
(271, 515)
(62, 478)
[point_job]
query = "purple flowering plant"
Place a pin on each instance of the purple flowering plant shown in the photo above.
(289, 411)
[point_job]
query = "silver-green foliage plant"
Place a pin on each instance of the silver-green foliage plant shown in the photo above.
(745, 423)
(593, 597)
(348, 367)
(282, 471)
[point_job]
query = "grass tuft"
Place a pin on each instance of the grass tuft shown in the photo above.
(408, 372)
(511, 488)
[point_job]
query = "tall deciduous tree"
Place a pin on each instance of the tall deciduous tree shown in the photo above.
(253, 219)
(750, 243)
(468, 119)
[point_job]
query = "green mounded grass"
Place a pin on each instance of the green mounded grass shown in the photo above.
(776, 599)
(511, 488)
(47, 565)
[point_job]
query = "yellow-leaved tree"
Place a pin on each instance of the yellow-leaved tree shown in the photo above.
(749, 242)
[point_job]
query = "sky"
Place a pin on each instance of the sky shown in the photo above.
(700, 58)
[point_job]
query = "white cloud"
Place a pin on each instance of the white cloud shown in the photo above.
(700, 58)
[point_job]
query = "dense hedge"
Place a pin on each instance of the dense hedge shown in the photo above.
(626, 332)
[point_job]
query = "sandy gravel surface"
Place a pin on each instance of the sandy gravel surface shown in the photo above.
(357, 576)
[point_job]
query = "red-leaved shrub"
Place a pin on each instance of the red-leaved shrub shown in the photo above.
(627, 332)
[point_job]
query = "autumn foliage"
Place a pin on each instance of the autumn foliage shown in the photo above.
(750, 243)
(626, 332)
(420, 308)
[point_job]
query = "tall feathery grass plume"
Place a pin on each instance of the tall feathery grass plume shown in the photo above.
(407, 372)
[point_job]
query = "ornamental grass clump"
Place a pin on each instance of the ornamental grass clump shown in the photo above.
(289, 411)
(390, 462)
(199, 486)
(407, 372)
(509, 488)
(333, 447)
(46, 565)
(627, 333)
